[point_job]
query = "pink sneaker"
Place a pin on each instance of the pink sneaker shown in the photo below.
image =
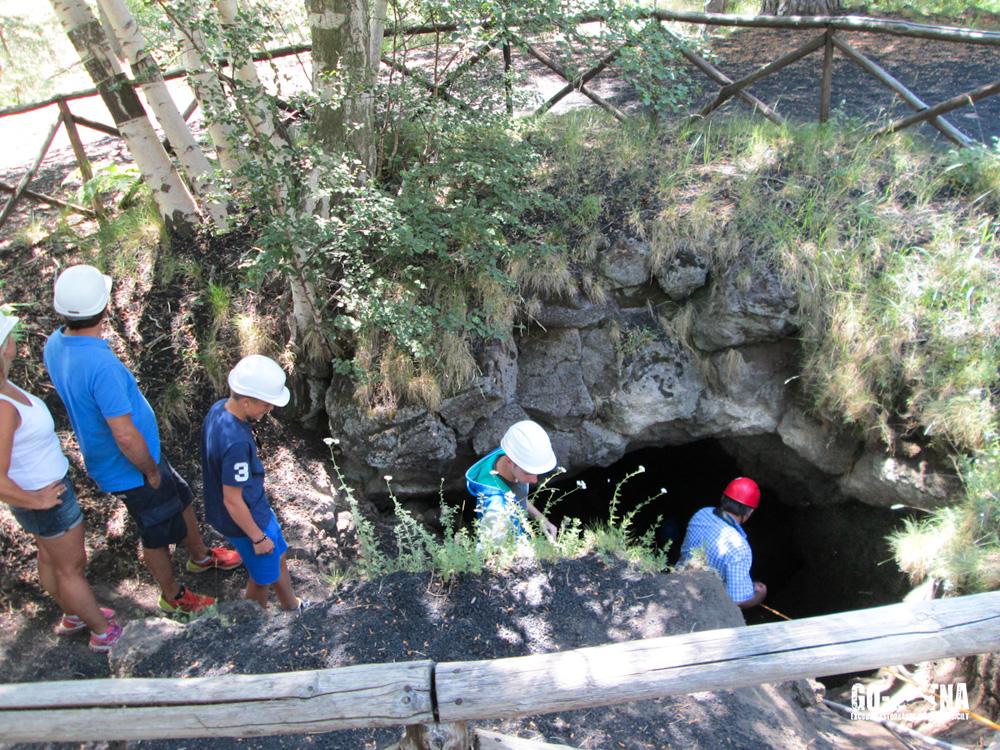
(70, 624)
(102, 643)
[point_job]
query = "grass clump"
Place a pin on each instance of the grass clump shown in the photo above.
(959, 545)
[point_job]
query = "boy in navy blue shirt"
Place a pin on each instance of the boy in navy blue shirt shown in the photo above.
(235, 501)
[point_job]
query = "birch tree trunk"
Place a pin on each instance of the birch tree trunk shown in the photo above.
(149, 77)
(208, 91)
(343, 77)
(377, 34)
(174, 201)
(800, 7)
(258, 112)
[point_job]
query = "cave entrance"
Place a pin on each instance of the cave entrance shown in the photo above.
(815, 560)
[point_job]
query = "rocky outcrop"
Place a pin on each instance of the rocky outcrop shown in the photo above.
(674, 354)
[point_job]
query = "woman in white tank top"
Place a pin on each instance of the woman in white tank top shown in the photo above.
(35, 484)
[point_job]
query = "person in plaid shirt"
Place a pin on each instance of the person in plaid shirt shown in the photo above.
(719, 534)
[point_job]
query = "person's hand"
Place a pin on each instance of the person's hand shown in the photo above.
(263, 547)
(550, 529)
(154, 480)
(759, 589)
(49, 496)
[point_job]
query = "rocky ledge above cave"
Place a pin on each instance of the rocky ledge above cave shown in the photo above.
(669, 356)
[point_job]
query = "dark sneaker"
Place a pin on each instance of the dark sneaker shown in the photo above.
(102, 643)
(70, 624)
(219, 558)
(187, 602)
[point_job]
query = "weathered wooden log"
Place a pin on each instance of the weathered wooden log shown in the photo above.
(575, 84)
(716, 75)
(474, 59)
(729, 90)
(28, 176)
(49, 199)
(838, 23)
(946, 106)
(436, 89)
(100, 127)
(494, 741)
(224, 706)
(709, 660)
(884, 77)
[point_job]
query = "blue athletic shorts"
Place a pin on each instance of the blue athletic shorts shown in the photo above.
(52, 522)
(263, 569)
(157, 512)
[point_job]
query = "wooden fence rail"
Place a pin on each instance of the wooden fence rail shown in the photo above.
(829, 41)
(449, 694)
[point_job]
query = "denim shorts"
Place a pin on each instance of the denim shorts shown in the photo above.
(263, 569)
(52, 522)
(158, 512)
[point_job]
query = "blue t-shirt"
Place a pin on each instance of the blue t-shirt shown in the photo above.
(95, 386)
(726, 549)
(229, 457)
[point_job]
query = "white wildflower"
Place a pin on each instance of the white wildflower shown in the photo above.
(581, 484)
(388, 477)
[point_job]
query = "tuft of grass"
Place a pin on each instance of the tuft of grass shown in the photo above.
(959, 545)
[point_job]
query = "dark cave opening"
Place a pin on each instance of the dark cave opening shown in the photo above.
(815, 560)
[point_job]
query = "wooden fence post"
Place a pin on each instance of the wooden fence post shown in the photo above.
(86, 173)
(455, 736)
(826, 83)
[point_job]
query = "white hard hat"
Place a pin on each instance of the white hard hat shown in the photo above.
(527, 445)
(81, 292)
(7, 323)
(260, 377)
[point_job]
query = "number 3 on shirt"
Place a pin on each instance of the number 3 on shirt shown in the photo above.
(242, 470)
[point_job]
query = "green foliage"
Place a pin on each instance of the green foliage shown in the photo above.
(959, 545)
(23, 43)
(978, 13)
(121, 183)
(461, 550)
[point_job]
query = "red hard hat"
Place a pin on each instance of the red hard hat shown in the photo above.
(744, 491)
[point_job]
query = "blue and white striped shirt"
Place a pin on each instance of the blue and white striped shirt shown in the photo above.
(726, 549)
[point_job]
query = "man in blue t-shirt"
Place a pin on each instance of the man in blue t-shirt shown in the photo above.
(120, 440)
(235, 501)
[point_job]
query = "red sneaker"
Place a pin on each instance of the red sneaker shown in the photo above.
(187, 602)
(219, 558)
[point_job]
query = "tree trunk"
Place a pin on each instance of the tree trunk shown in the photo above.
(257, 110)
(207, 89)
(343, 77)
(147, 73)
(175, 203)
(800, 7)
